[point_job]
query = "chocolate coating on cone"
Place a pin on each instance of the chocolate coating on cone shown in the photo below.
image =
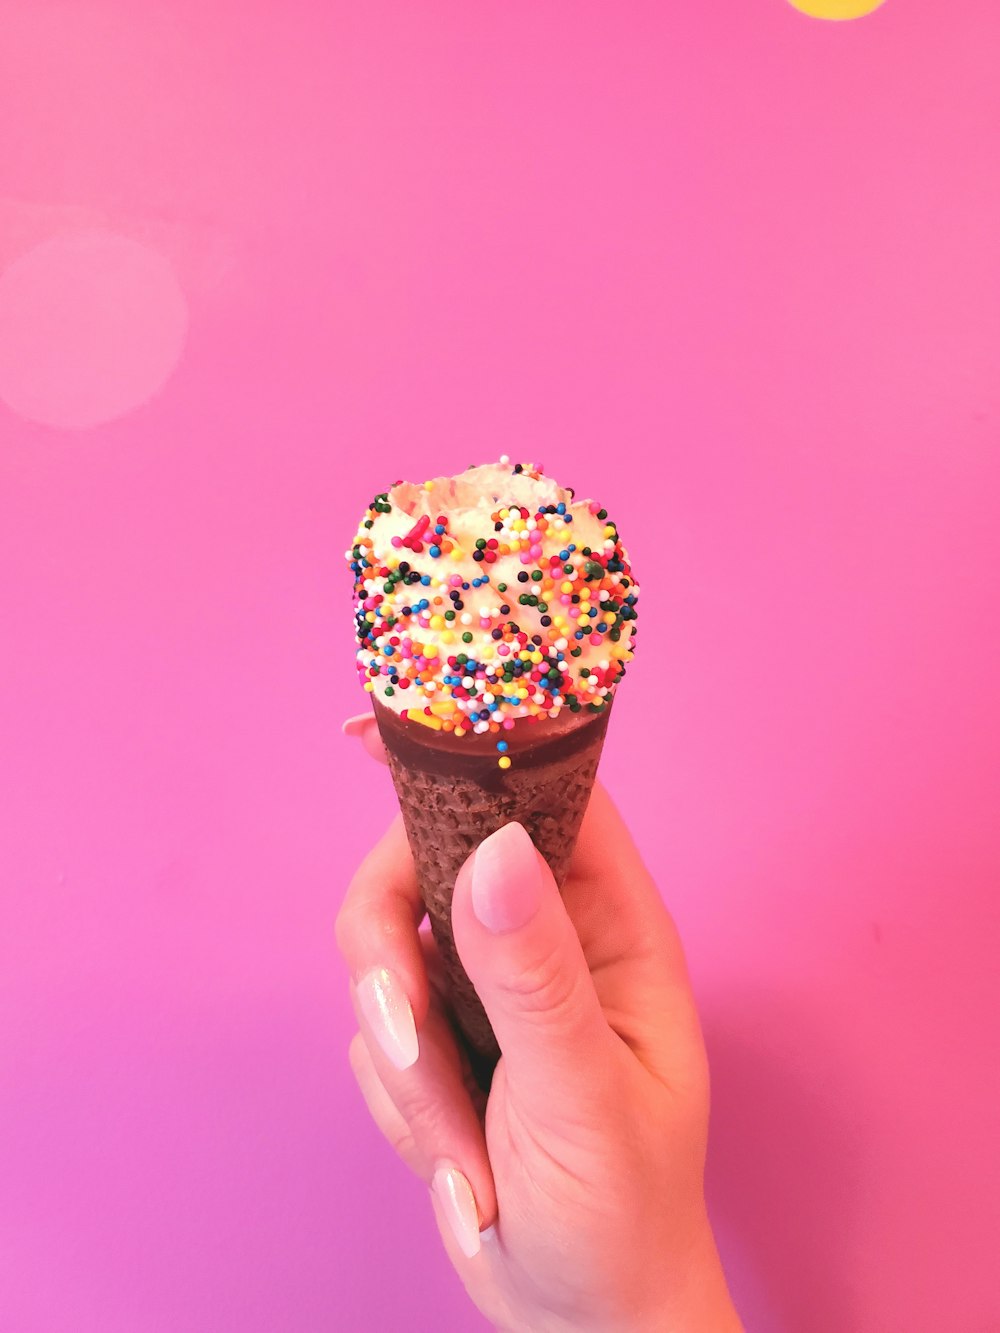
(453, 795)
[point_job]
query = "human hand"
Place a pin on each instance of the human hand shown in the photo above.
(576, 1201)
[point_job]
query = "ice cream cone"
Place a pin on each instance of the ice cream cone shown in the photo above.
(495, 617)
(452, 795)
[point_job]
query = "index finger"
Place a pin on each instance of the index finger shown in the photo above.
(377, 925)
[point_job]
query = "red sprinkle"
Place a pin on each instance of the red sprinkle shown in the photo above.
(412, 538)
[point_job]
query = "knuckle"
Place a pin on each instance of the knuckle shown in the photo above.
(343, 930)
(420, 1108)
(404, 1145)
(362, 933)
(545, 985)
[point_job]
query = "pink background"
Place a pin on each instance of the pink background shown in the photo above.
(292, 252)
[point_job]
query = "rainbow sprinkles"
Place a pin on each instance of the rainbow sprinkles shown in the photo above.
(490, 599)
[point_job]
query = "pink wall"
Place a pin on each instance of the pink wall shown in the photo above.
(287, 253)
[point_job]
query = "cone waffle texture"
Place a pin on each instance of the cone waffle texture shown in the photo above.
(448, 816)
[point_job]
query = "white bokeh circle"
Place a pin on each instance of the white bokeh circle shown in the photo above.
(92, 325)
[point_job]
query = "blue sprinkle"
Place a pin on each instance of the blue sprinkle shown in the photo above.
(501, 745)
(561, 507)
(435, 551)
(425, 579)
(438, 529)
(578, 634)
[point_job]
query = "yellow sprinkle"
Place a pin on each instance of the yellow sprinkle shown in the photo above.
(447, 636)
(430, 650)
(437, 622)
(443, 708)
(460, 730)
(428, 485)
(369, 686)
(536, 657)
(504, 761)
(415, 715)
(566, 587)
(456, 552)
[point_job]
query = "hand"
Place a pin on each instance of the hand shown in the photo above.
(576, 1202)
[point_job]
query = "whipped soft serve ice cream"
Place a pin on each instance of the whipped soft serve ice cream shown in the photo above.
(490, 600)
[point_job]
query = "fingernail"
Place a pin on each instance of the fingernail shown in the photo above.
(387, 1012)
(506, 880)
(354, 726)
(459, 1205)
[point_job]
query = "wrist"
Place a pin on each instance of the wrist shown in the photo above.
(698, 1302)
(693, 1297)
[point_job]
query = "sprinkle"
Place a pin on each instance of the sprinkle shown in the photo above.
(504, 761)
(425, 719)
(408, 618)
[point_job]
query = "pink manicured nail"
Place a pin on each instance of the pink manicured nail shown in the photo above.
(459, 1206)
(389, 1015)
(506, 880)
(354, 726)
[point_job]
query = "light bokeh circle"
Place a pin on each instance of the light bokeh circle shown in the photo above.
(92, 325)
(836, 9)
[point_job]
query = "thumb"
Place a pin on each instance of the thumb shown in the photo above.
(524, 958)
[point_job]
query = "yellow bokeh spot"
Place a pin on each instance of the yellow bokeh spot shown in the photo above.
(836, 9)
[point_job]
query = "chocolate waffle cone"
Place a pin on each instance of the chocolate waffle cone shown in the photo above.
(453, 795)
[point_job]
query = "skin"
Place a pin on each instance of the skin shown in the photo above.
(587, 1159)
